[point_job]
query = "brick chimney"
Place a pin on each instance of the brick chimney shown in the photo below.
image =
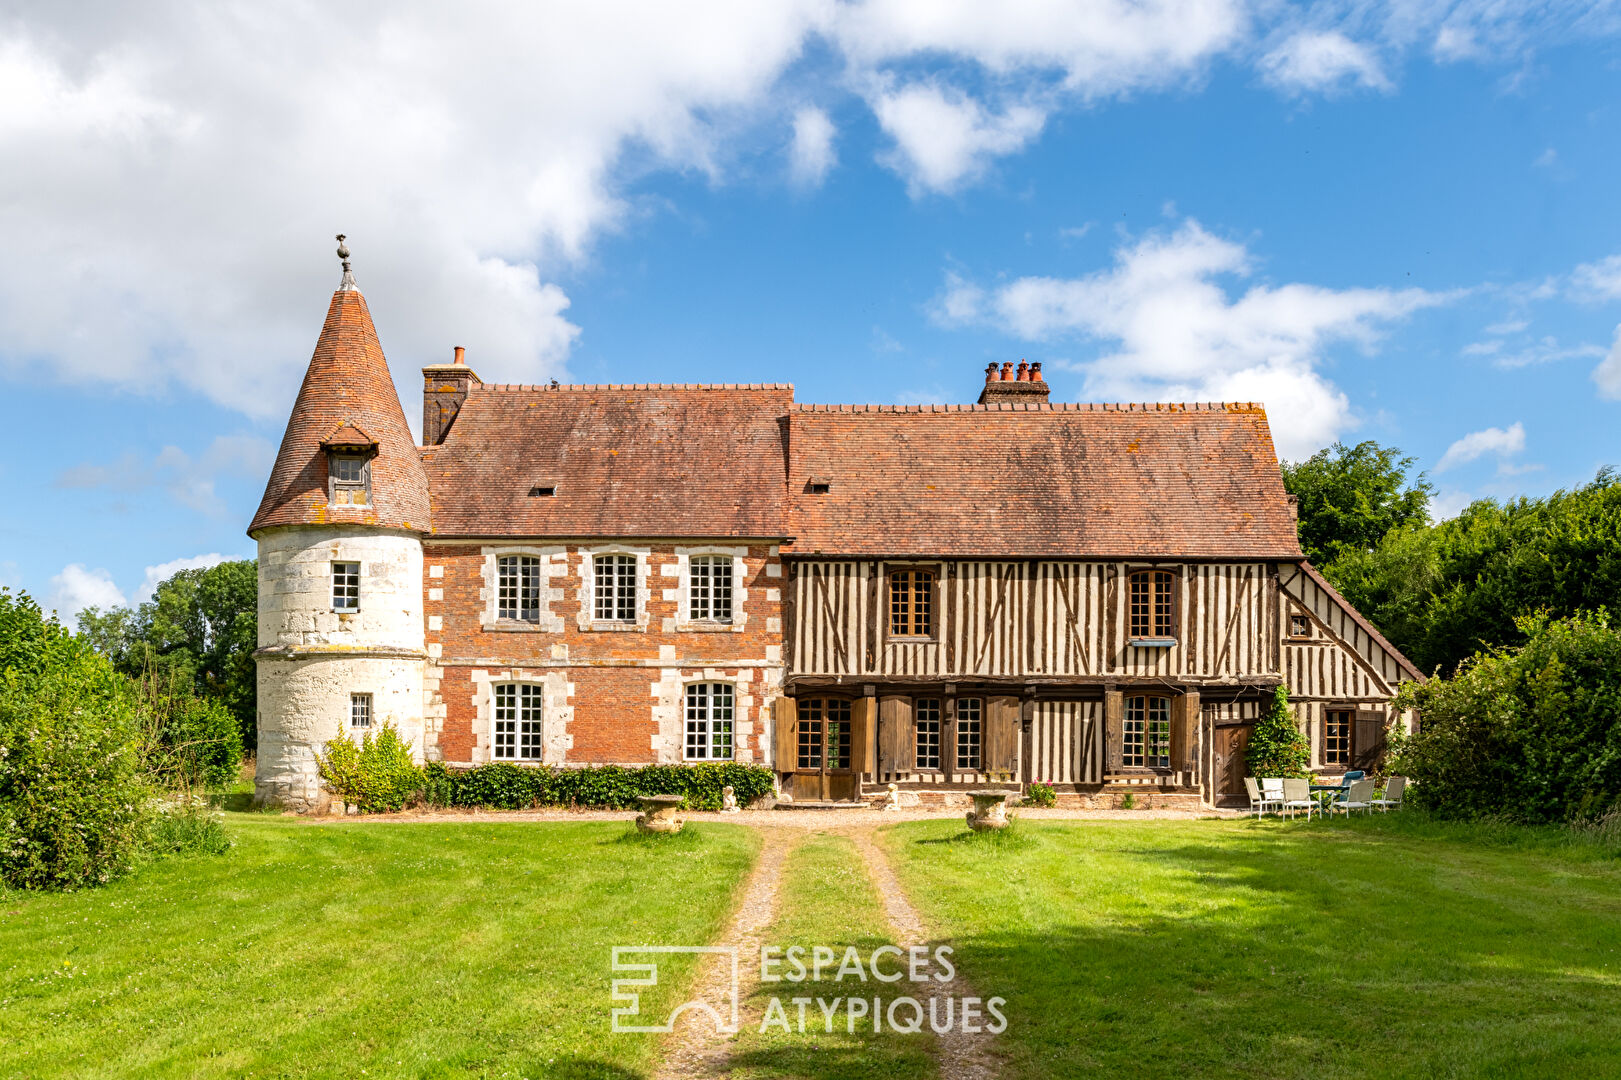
(1005, 386)
(444, 388)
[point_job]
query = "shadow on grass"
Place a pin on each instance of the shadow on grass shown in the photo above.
(1253, 950)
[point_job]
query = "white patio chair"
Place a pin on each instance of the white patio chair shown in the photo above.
(1272, 793)
(1297, 797)
(1358, 797)
(1393, 794)
(1258, 801)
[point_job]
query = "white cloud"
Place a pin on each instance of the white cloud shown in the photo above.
(1500, 441)
(157, 575)
(1546, 350)
(811, 155)
(1180, 336)
(77, 588)
(1322, 61)
(944, 138)
(1596, 281)
(190, 481)
(1446, 505)
(1608, 374)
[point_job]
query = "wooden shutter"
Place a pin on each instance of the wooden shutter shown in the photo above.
(1001, 734)
(1184, 717)
(1114, 728)
(897, 736)
(785, 718)
(863, 719)
(1368, 740)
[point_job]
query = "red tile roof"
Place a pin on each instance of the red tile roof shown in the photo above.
(648, 460)
(1129, 481)
(347, 384)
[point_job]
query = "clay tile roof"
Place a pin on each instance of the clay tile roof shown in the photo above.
(647, 460)
(347, 384)
(348, 435)
(1016, 480)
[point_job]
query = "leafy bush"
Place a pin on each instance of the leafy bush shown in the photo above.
(196, 740)
(187, 827)
(74, 801)
(375, 776)
(505, 786)
(1531, 734)
(1277, 748)
(1041, 795)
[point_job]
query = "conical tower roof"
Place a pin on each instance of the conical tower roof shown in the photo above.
(347, 395)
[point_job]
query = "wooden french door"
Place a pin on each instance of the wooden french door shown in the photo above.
(824, 750)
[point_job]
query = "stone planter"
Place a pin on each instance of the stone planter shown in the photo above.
(990, 810)
(659, 814)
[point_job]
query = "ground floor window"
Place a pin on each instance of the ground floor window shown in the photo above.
(1337, 737)
(1147, 742)
(927, 714)
(824, 734)
(970, 735)
(709, 722)
(517, 722)
(360, 710)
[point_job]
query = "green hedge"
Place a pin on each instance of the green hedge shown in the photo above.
(505, 786)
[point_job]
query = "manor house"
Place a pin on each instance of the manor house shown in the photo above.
(1096, 597)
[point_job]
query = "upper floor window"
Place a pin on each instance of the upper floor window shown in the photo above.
(911, 603)
(351, 480)
(1147, 741)
(927, 714)
(615, 588)
(709, 588)
(1337, 737)
(517, 722)
(709, 722)
(517, 588)
(970, 733)
(360, 710)
(1299, 626)
(1153, 604)
(345, 586)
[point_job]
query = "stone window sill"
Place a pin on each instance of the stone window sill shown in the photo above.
(614, 628)
(513, 626)
(708, 628)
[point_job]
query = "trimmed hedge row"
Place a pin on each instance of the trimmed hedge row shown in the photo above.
(504, 786)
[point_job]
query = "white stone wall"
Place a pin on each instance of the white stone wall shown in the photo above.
(304, 695)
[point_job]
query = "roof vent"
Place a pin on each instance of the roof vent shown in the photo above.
(543, 491)
(819, 485)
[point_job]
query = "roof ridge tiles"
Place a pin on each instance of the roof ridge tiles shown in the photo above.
(1029, 407)
(621, 387)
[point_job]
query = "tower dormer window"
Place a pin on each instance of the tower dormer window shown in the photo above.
(351, 480)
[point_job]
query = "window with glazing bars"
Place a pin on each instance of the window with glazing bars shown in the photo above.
(1147, 741)
(616, 588)
(926, 712)
(970, 735)
(838, 734)
(709, 722)
(911, 603)
(351, 480)
(345, 586)
(1153, 598)
(360, 710)
(517, 722)
(810, 735)
(518, 588)
(709, 588)
(1336, 737)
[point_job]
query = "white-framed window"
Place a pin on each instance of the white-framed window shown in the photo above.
(345, 586)
(517, 722)
(517, 588)
(709, 721)
(360, 710)
(709, 588)
(351, 480)
(614, 588)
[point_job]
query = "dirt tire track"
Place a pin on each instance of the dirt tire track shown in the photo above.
(695, 1049)
(962, 1056)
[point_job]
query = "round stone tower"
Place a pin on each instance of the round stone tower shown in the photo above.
(340, 562)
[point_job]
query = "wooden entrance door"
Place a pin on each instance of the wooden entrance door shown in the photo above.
(824, 751)
(1230, 743)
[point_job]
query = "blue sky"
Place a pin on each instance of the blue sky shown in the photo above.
(1392, 222)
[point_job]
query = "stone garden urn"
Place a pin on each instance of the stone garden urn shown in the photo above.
(990, 810)
(659, 814)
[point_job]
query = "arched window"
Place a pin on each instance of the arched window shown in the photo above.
(709, 722)
(1147, 737)
(614, 586)
(516, 735)
(1153, 604)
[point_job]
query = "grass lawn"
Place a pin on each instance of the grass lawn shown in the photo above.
(828, 900)
(350, 950)
(1375, 948)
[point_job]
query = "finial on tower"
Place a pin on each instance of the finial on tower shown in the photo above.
(348, 282)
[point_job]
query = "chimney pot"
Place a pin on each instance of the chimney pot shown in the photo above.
(990, 372)
(1007, 371)
(1024, 372)
(461, 355)
(1035, 372)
